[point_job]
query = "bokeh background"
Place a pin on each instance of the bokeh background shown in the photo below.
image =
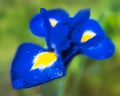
(85, 77)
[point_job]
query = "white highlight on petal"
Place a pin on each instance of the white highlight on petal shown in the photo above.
(53, 22)
(88, 34)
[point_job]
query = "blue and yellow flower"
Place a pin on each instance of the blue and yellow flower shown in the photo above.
(89, 38)
(33, 64)
(65, 37)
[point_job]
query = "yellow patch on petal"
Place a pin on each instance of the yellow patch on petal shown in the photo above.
(53, 22)
(44, 60)
(87, 36)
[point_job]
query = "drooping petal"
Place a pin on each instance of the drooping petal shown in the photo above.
(103, 50)
(87, 31)
(59, 37)
(91, 40)
(56, 16)
(34, 65)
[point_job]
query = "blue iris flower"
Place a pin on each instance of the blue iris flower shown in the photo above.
(88, 38)
(33, 64)
(65, 37)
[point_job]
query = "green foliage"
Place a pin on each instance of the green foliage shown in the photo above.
(85, 77)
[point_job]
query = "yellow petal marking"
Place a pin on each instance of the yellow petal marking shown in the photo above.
(53, 22)
(43, 60)
(87, 36)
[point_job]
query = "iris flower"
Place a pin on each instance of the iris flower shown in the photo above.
(65, 37)
(33, 64)
(87, 38)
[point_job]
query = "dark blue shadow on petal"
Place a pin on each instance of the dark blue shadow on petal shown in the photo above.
(103, 50)
(68, 55)
(21, 74)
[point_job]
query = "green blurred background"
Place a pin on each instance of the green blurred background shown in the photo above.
(85, 77)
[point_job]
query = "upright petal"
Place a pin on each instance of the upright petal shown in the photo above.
(82, 16)
(39, 23)
(56, 16)
(43, 23)
(34, 65)
(59, 37)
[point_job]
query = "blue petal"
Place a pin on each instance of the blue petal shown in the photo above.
(92, 42)
(38, 26)
(90, 25)
(59, 37)
(103, 50)
(82, 16)
(21, 74)
(58, 14)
